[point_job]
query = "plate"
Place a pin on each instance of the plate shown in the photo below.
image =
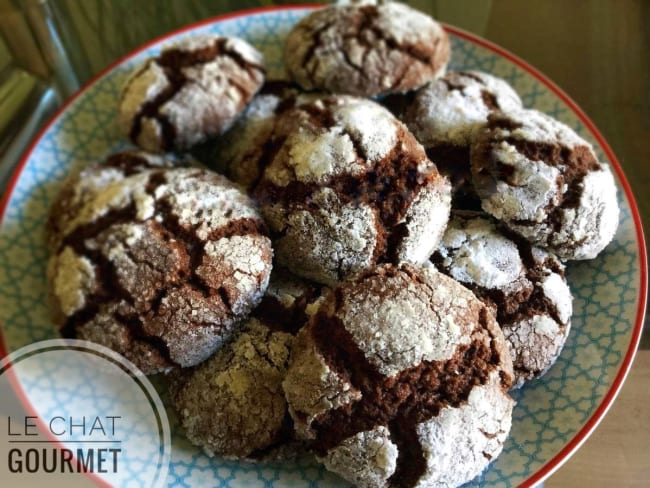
(553, 415)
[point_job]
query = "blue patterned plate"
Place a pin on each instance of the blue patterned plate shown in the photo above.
(553, 416)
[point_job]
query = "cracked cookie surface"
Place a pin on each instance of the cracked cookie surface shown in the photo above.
(525, 284)
(446, 115)
(233, 404)
(193, 90)
(82, 186)
(366, 49)
(544, 182)
(346, 186)
(242, 152)
(161, 266)
(400, 379)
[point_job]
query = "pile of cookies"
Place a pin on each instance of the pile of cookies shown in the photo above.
(374, 259)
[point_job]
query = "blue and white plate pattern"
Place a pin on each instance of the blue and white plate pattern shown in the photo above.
(553, 415)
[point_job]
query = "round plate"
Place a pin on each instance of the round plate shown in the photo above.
(553, 415)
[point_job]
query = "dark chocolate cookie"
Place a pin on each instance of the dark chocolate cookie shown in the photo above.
(366, 49)
(447, 114)
(401, 379)
(544, 182)
(161, 266)
(193, 90)
(345, 186)
(525, 284)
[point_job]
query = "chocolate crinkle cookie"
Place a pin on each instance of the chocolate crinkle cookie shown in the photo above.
(401, 379)
(160, 266)
(233, 404)
(83, 185)
(193, 90)
(544, 182)
(366, 49)
(447, 114)
(525, 284)
(345, 186)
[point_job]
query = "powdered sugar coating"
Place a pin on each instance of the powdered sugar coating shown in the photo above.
(446, 116)
(425, 222)
(412, 320)
(473, 251)
(220, 201)
(525, 284)
(236, 264)
(83, 185)
(73, 278)
(324, 246)
(348, 186)
(370, 125)
(241, 150)
(192, 43)
(366, 49)
(116, 195)
(465, 439)
(178, 258)
(367, 459)
(311, 387)
(314, 154)
(544, 182)
(452, 109)
(358, 372)
(193, 90)
(591, 226)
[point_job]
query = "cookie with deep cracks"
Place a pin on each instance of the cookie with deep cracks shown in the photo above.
(161, 266)
(345, 186)
(401, 379)
(525, 285)
(366, 49)
(543, 181)
(193, 90)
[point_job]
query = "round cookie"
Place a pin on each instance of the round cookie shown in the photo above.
(366, 49)
(161, 267)
(233, 404)
(401, 379)
(446, 115)
(525, 284)
(544, 182)
(82, 186)
(347, 186)
(193, 90)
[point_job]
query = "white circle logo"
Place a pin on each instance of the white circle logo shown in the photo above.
(83, 409)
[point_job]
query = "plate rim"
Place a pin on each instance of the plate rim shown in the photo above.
(599, 413)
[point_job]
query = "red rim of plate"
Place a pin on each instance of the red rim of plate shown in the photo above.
(582, 435)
